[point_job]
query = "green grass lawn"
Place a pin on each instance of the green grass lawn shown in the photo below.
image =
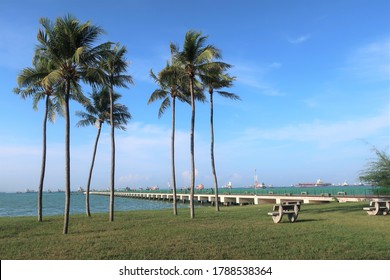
(326, 231)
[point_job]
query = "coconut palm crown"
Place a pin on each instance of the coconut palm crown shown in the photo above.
(97, 112)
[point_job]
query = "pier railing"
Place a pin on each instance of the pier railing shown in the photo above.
(245, 196)
(361, 191)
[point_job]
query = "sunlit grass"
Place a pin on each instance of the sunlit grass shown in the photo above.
(327, 231)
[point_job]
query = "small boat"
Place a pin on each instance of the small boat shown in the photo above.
(228, 186)
(30, 191)
(256, 184)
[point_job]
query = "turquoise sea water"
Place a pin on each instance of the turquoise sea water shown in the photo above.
(25, 204)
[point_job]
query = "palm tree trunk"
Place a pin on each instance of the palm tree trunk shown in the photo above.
(111, 217)
(87, 208)
(67, 159)
(192, 208)
(43, 167)
(212, 152)
(173, 157)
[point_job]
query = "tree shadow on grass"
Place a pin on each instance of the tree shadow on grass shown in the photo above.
(308, 220)
(342, 209)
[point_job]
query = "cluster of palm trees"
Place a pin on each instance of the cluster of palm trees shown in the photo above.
(67, 55)
(190, 72)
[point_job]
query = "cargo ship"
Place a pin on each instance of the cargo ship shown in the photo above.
(318, 183)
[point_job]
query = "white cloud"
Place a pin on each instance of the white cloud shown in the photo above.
(144, 154)
(254, 76)
(324, 134)
(299, 40)
(133, 179)
(275, 65)
(370, 62)
(14, 150)
(186, 175)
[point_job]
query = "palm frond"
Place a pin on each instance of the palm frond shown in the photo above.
(157, 94)
(164, 106)
(98, 108)
(86, 119)
(229, 95)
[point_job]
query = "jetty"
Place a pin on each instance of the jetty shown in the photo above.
(237, 199)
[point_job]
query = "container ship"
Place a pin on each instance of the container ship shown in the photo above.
(318, 183)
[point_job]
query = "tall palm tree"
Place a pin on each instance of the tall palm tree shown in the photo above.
(195, 57)
(68, 45)
(170, 81)
(97, 113)
(215, 78)
(114, 67)
(30, 84)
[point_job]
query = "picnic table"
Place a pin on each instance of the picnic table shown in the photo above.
(290, 208)
(378, 207)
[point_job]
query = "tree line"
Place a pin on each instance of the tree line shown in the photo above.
(67, 55)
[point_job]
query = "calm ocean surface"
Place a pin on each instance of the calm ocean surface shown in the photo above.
(25, 204)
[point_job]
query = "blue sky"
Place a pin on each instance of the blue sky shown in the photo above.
(314, 78)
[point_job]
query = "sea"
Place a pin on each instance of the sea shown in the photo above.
(25, 204)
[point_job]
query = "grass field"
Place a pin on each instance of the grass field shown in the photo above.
(327, 231)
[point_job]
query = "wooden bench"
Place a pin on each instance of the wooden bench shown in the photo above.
(378, 207)
(290, 208)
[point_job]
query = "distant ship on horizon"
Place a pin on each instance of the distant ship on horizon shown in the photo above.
(318, 183)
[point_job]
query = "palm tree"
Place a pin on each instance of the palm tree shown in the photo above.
(68, 45)
(196, 57)
(30, 84)
(113, 67)
(214, 79)
(97, 113)
(170, 81)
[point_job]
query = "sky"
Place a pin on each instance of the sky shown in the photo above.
(313, 76)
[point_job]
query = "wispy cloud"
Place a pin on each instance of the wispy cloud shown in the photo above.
(12, 150)
(370, 62)
(131, 178)
(144, 154)
(299, 40)
(186, 175)
(323, 133)
(254, 76)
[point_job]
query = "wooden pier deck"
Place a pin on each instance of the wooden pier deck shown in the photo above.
(235, 199)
